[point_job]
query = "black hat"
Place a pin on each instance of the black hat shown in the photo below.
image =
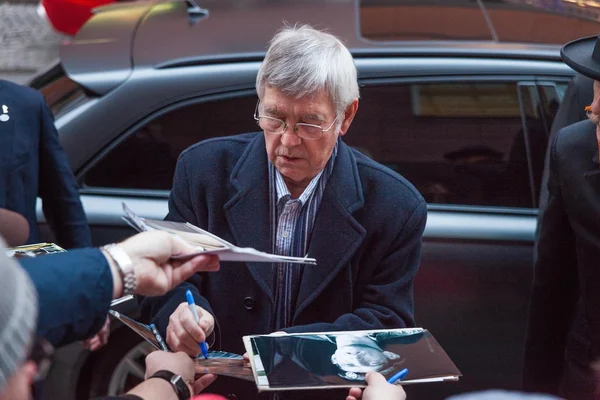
(583, 55)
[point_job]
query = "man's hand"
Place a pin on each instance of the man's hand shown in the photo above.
(100, 339)
(155, 272)
(184, 334)
(377, 389)
(180, 364)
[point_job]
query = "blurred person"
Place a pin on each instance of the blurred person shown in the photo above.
(24, 358)
(563, 333)
(294, 189)
(33, 164)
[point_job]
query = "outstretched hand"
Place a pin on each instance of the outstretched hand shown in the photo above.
(156, 272)
(377, 389)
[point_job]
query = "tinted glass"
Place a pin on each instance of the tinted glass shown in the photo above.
(531, 21)
(61, 93)
(458, 143)
(146, 159)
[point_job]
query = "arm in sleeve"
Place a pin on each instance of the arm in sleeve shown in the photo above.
(74, 290)
(554, 292)
(387, 301)
(58, 188)
(159, 309)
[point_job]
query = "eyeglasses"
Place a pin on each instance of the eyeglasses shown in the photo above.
(278, 126)
(41, 354)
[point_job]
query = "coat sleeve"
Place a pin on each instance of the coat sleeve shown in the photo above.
(555, 285)
(159, 309)
(58, 188)
(387, 300)
(74, 291)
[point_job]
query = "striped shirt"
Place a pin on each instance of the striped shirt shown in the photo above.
(292, 224)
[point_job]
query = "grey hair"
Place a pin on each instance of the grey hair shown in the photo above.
(301, 61)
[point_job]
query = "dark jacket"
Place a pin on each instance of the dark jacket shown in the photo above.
(563, 334)
(32, 164)
(366, 239)
(74, 292)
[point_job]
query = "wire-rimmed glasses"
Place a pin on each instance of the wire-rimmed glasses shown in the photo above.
(278, 126)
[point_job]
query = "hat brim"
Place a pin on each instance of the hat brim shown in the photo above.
(578, 55)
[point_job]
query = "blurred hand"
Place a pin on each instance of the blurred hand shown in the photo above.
(377, 389)
(184, 334)
(101, 338)
(155, 272)
(180, 364)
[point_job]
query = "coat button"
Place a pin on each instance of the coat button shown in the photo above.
(249, 303)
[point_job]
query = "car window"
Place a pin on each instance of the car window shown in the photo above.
(463, 143)
(459, 143)
(61, 93)
(146, 158)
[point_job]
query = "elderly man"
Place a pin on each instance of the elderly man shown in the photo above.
(295, 189)
(563, 337)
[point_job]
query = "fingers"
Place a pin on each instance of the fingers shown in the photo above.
(192, 327)
(355, 393)
(184, 333)
(201, 383)
(246, 358)
(375, 378)
(203, 263)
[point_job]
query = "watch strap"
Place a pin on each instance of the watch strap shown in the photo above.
(181, 389)
(123, 261)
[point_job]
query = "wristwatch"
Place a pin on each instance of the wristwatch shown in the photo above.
(123, 261)
(181, 389)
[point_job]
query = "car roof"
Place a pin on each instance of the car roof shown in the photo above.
(124, 36)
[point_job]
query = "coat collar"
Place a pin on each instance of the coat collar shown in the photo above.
(336, 234)
(593, 175)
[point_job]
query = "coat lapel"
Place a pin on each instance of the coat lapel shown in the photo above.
(336, 234)
(247, 211)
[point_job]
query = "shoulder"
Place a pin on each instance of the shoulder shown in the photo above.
(19, 94)
(382, 182)
(218, 150)
(576, 139)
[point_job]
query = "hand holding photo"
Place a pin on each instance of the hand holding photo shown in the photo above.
(325, 360)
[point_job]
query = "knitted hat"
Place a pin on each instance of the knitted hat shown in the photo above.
(502, 395)
(18, 316)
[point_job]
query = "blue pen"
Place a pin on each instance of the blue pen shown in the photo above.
(192, 305)
(159, 338)
(400, 375)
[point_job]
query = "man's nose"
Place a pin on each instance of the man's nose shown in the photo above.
(290, 138)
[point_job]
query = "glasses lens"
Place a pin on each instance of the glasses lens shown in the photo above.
(270, 124)
(41, 354)
(309, 131)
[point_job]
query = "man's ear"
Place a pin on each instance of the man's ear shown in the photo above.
(348, 117)
(334, 359)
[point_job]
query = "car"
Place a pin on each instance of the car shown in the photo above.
(462, 113)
